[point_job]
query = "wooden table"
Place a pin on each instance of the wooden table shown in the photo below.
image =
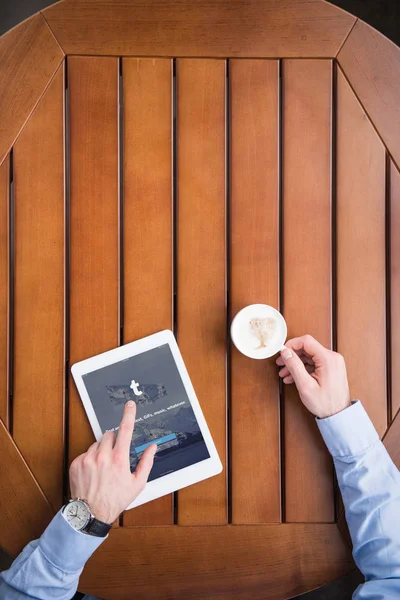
(163, 164)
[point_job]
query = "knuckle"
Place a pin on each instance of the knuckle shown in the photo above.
(124, 427)
(102, 458)
(87, 460)
(297, 369)
(119, 457)
(74, 466)
(339, 358)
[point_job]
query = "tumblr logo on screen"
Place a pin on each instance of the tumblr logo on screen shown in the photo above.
(135, 387)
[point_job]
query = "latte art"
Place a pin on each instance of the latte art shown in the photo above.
(264, 330)
(258, 331)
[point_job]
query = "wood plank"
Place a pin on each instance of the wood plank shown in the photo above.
(29, 57)
(371, 62)
(254, 278)
(261, 28)
(94, 319)
(201, 265)
(4, 260)
(24, 510)
(361, 236)
(148, 217)
(218, 562)
(395, 286)
(38, 420)
(307, 272)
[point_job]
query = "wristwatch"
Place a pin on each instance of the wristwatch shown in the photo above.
(78, 514)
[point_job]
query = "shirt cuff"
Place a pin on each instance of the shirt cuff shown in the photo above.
(66, 548)
(349, 432)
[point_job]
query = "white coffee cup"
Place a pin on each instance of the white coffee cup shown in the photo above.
(259, 331)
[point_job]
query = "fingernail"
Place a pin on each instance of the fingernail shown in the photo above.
(286, 354)
(130, 403)
(154, 449)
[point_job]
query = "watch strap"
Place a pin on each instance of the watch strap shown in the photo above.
(97, 528)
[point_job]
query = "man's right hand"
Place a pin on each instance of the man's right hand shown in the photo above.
(102, 475)
(319, 374)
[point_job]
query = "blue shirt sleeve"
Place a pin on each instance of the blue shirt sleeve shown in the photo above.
(370, 486)
(49, 568)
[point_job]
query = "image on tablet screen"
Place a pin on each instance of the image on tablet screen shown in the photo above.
(164, 415)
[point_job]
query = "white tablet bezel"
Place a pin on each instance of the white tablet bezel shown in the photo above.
(173, 481)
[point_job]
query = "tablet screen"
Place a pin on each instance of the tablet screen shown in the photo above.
(164, 414)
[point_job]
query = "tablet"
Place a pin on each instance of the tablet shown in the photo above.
(151, 372)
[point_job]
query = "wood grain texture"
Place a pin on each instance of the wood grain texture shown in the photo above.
(371, 62)
(218, 562)
(94, 320)
(307, 272)
(24, 510)
(148, 274)
(254, 278)
(29, 57)
(38, 420)
(201, 265)
(259, 28)
(391, 440)
(4, 275)
(361, 319)
(395, 287)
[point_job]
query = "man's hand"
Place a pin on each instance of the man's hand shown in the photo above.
(319, 374)
(102, 475)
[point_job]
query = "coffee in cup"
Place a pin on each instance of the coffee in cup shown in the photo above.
(259, 331)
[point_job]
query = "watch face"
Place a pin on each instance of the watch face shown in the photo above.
(77, 514)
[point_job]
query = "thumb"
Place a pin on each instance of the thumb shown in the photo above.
(296, 368)
(145, 465)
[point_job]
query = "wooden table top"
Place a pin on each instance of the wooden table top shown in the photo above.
(162, 165)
